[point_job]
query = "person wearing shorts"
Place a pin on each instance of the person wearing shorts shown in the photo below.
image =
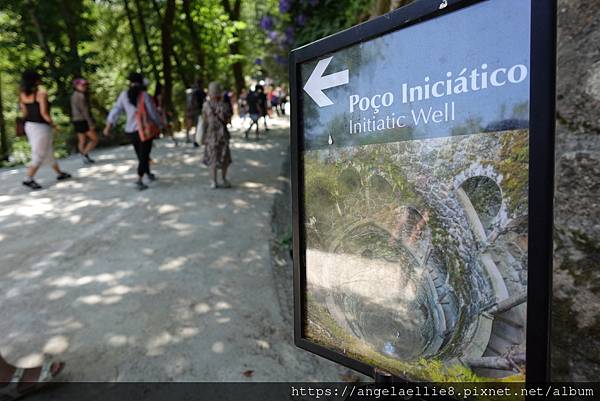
(254, 110)
(82, 121)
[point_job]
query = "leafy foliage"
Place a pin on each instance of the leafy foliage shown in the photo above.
(318, 19)
(64, 39)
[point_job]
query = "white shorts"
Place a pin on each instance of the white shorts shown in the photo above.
(40, 139)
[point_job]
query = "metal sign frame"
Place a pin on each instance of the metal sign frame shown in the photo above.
(541, 167)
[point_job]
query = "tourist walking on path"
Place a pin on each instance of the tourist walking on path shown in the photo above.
(194, 99)
(263, 104)
(253, 103)
(273, 98)
(35, 109)
(282, 99)
(217, 154)
(242, 106)
(165, 116)
(228, 103)
(18, 382)
(84, 124)
(138, 106)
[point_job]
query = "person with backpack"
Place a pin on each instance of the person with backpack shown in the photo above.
(142, 126)
(217, 154)
(273, 97)
(84, 124)
(263, 104)
(38, 126)
(253, 103)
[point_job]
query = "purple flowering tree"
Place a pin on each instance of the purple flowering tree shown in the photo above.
(285, 6)
(267, 23)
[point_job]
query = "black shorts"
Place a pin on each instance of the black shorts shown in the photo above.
(81, 127)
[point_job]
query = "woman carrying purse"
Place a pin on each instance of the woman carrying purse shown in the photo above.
(35, 109)
(130, 102)
(217, 154)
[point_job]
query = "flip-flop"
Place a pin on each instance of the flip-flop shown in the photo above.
(11, 392)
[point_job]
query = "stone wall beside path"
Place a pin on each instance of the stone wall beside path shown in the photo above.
(576, 297)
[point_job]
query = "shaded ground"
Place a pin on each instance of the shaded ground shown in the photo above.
(171, 284)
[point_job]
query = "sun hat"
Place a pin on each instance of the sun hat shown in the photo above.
(79, 81)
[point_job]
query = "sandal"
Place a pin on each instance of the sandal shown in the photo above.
(141, 186)
(32, 184)
(11, 392)
(63, 176)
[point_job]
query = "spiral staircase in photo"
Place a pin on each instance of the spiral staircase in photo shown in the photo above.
(495, 346)
(503, 255)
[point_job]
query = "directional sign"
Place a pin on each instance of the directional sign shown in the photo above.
(317, 82)
(414, 137)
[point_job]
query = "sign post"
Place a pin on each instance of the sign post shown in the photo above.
(422, 170)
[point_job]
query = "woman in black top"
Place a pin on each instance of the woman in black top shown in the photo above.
(33, 102)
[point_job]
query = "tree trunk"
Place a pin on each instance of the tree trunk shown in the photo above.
(136, 45)
(180, 70)
(380, 7)
(234, 46)
(42, 39)
(167, 31)
(56, 76)
(140, 13)
(238, 68)
(196, 42)
(70, 17)
(4, 144)
(178, 63)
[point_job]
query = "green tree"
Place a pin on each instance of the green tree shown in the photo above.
(195, 41)
(233, 12)
(173, 41)
(134, 38)
(167, 32)
(145, 35)
(4, 143)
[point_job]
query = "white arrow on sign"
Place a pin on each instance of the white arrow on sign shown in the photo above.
(317, 82)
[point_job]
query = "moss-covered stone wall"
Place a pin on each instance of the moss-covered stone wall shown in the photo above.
(576, 297)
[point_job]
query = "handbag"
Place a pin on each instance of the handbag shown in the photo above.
(20, 126)
(147, 130)
(224, 123)
(199, 131)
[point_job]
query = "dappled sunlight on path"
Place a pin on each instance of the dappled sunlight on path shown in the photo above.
(172, 283)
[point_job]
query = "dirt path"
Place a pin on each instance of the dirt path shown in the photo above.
(172, 283)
